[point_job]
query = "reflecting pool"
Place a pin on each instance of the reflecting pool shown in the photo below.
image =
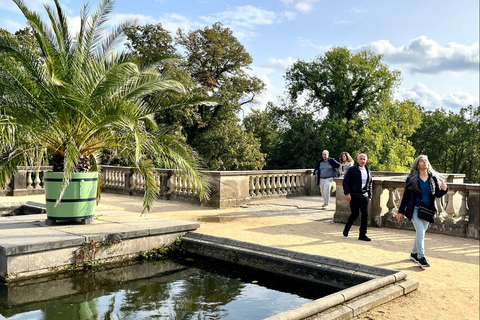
(186, 289)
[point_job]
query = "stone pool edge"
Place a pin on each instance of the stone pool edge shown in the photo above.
(379, 285)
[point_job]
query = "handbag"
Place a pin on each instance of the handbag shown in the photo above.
(426, 212)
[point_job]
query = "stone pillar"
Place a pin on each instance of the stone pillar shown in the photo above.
(19, 183)
(228, 189)
(473, 202)
(378, 205)
(342, 207)
(311, 187)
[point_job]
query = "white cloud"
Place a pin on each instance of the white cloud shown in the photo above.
(173, 21)
(342, 21)
(244, 16)
(36, 5)
(243, 20)
(289, 15)
(358, 10)
(11, 25)
(430, 99)
(280, 64)
(424, 55)
(304, 6)
(304, 42)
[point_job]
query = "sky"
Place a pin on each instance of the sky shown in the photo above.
(434, 43)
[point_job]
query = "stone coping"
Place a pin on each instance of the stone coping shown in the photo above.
(355, 298)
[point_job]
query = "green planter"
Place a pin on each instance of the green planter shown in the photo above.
(78, 201)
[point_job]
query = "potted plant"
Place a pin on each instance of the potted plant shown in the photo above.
(72, 99)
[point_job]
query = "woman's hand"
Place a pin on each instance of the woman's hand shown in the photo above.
(399, 216)
(443, 186)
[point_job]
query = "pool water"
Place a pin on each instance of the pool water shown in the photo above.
(192, 288)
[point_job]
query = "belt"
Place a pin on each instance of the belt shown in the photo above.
(326, 177)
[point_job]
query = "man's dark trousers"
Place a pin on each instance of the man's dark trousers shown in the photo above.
(358, 205)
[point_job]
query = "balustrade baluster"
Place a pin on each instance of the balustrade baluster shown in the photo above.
(133, 181)
(251, 186)
(390, 202)
(463, 211)
(106, 177)
(450, 205)
(289, 184)
(269, 185)
(274, 184)
(29, 180)
(258, 186)
(294, 184)
(37, 180)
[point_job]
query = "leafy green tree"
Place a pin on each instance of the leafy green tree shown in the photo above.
(228, 147)
(151, 42)
(218, 61)
(451, 141)
(385, 136)
(343, 82)
(80, 97)
(297, 143)
(217, 85)
(264, 127)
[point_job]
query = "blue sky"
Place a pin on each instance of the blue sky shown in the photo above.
(434, 43)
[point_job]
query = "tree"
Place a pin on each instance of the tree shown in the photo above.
(264, 127)
(218, 61)
(385, 136)
(228, 147)
(80, 97)
(217, 87)
(343, 82)
(151, 42)
(296, 142)
(451, 141)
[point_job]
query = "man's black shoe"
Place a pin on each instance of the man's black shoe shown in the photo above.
(345, 232)
(364, 238)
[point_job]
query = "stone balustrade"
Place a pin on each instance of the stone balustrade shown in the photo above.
(232, 188)
(458, 210)
(26, 181)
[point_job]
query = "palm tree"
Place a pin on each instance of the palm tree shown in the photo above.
(80, 97)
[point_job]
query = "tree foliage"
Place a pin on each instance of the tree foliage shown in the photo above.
(385, 136)
(343, 82)
(228, 147)
(214, 70)
(451, 141)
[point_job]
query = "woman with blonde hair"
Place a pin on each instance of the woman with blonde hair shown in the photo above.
(423, 184)
(346, 162)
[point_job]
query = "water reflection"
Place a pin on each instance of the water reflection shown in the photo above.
(165, 290)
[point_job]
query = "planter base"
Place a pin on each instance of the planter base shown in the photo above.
(50, 221)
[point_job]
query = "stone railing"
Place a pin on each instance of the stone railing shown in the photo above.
(232, 188)
(458, 211)
(27, 181)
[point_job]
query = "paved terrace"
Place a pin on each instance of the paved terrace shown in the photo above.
(448, 290)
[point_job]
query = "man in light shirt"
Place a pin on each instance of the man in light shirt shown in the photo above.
(357, 187)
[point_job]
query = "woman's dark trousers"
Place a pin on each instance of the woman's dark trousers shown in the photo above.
(358, 205)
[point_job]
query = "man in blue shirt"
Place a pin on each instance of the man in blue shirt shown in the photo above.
(325, 171)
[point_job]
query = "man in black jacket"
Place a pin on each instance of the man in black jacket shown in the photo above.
(357, 187)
